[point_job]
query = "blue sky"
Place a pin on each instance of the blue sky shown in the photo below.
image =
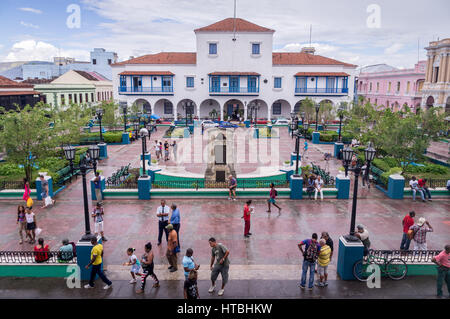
(37, 30)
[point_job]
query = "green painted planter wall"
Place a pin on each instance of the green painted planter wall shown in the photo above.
(33, 270)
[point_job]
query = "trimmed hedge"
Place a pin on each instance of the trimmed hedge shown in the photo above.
(108, 137)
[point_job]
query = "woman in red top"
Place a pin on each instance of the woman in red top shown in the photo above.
(247, 211)
(41, 251)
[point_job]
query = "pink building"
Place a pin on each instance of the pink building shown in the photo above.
(386, 86)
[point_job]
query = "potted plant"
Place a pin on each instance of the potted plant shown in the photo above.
(287, 163)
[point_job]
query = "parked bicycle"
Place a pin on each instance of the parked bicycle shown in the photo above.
(394, 268)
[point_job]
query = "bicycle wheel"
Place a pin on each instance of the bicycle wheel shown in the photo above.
(396, 269)
(360, 270)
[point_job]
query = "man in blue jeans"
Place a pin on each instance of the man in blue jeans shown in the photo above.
(96, 262)
(310, 254)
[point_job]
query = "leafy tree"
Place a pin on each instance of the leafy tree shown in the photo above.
(326, 113)
(70, 121)
(307, 106)
(110, 110)
(27, 132)
(213, 114)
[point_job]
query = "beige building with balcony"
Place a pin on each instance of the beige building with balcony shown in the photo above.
(436, 89)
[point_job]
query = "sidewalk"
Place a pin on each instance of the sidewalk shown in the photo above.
(423, 287)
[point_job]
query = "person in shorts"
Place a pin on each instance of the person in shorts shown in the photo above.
(322, 263)
(31, 225)
(219, 253)
(133, 261)
(98, 215)
(232, 185)
(147, 268)
(272, 196)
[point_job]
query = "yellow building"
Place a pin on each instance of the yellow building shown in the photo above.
(436, 89)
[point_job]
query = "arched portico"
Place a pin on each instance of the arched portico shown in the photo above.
(281, 109)
(164, 108)
(185, 107)
(234, 109)
(262, 109)
(209, 109)
(143, 105)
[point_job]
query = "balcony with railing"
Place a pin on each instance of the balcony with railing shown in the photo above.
(234, 83)
(233, 90)
(324, 91)
(145, 90)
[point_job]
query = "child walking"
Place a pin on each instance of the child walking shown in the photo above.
(272, 196)
(147, 267)
(134, 263)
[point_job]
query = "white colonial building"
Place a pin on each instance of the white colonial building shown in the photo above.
(234, 67)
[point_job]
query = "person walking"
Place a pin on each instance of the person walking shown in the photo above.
(310, 255)
(31, 225)
(419, 233)
(175, 221)
(247, 212)
(160, 150)
(21, 221)
(190, 286)
(363, 235)
(98, 215)
(166, 150)
(414, 184)
(305, 149)
(174, 150)
(203, 128)
(172, 248)
(443, 262)
(96, 263)
(423, 187)
(189, 263)
(97, 188)
(318, 183)
(272, 196)
(220, 254)
(26, 193)
(323, 261)
(232, 185)
(156, 146)
(407, 222)
(147, 268)
(133, 261)
(45, 197)
(163, 220)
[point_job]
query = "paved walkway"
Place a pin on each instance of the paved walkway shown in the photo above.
(50, 288)
(270, 256)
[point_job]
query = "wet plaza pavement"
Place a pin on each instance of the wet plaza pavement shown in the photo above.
(266, 265)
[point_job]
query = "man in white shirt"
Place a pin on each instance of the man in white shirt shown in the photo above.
(414, 184)
(163, 220)
(318, 187)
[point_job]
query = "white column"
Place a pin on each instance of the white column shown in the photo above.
(269, 111)
(198, 111)
(175, 113)
(245, 111)
(221, 112)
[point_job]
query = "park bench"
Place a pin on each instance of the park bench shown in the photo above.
(90, 140)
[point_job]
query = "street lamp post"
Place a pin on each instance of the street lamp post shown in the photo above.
(94, 153)
(317, 106)
(292, 124)
(144, 133)
(369, 153)
(297, 150)
(99, 113)
(341, 116)
(123, 105)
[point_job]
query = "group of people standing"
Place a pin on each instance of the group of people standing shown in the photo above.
(162, 150)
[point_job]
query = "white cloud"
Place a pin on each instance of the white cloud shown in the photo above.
(394, 48)
(37, 11)
(29, 50)
(29, 25)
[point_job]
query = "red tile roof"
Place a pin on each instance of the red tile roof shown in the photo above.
(301, 58)
(7, 83)
(87, 75)
(163, 58)
(321, 74)
(234, 73)
(3, 93)
(227, 25)
(146, 73)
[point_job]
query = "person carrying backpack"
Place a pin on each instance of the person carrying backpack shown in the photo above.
(272, 195)
(310, 254)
